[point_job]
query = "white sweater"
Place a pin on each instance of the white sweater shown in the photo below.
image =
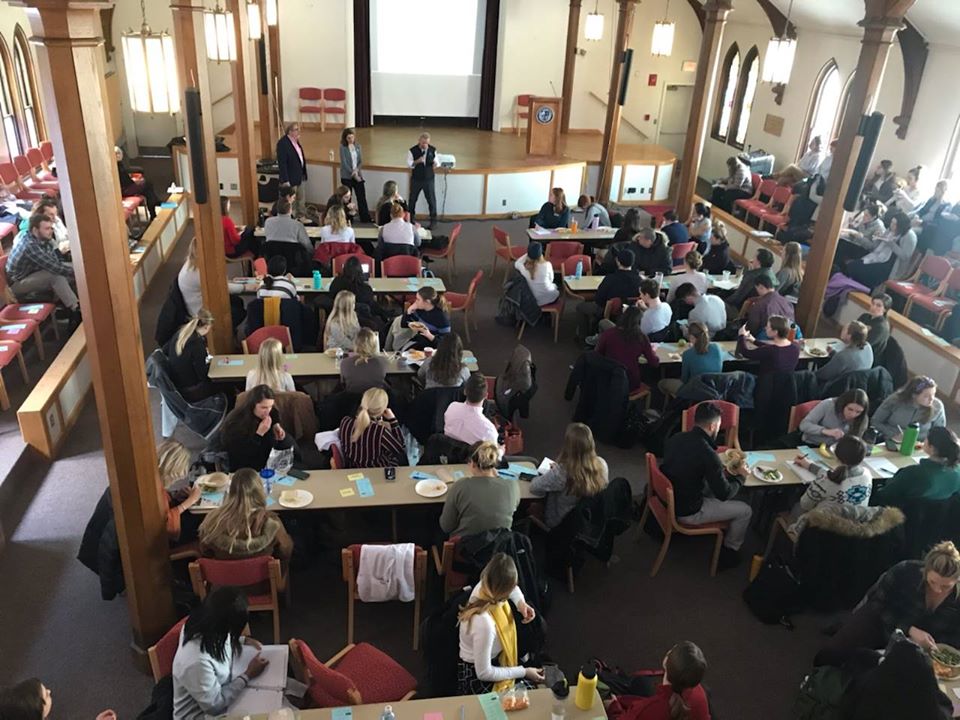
(541, 284)
(479, 644)
(202, 686)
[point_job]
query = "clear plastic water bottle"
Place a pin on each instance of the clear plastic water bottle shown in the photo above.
(266, 475)
(387, 713)
(317, 280)
(579, 271)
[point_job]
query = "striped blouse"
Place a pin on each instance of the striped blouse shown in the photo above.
(380, 445)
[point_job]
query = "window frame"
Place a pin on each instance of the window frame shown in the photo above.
(739, 98)
(21, 46)
(722, 87)
(950, 160)
(813, 106)
(8, 96)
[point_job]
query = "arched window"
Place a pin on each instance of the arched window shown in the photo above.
(11, 133)
(825, 107)
(746, 90)
(729, 75)
(26, 87)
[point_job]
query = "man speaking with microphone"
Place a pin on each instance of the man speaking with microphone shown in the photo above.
(422, 159)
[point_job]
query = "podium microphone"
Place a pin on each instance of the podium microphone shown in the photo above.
(552, 87)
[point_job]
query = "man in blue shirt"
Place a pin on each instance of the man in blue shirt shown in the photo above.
(675, 230)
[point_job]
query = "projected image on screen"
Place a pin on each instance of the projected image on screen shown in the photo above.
(426, 57)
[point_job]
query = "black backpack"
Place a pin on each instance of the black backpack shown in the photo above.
(774, 593)
(820, 695)
(440, 640)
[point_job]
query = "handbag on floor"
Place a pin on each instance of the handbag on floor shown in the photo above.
(774, 593)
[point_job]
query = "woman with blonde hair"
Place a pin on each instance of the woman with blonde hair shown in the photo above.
(270, 369)
(483, 500)
(372, 438)
(173, 467)
(578, 473)
(342, 325)
(391, 195)
(555, 213)
(187, 358)
(919, 597)
(242, 526)
(692, 273)
(790, 274)
(367, 367)
(538, 273)
(488, 632)
(188, 280)
(336, 228)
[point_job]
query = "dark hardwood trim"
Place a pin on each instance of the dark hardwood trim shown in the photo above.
(699, 12)
(915, 49)
(741, 94)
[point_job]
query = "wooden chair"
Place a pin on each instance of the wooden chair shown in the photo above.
(10, 179)
(14, 312)
(401, 266)
(337, 461)
(778, 200)
(443, 560)
(252, 342)
(340, 260)
(261, 577)
(260, 267)
(756, 206)
(937, 270)
(679, 252)
(729, 420)
(449, 253)
(798, 413)
(755, 179)
(38, 166)
(162, 652)
(503, 249)
(660, 502)
(939, 305)
(560, 250)
(10, 349)
(46, 150)
(309, 102)
(569, 265)
(334, 103)
(29, 180)
(777, 218)
(521, 111)
(350, 565)
(460, 302)
(556, 309)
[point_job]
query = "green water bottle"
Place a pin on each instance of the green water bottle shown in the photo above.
(909, 441)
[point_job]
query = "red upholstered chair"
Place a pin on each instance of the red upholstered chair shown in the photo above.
(503, 249)
(521, 112)
(777, 218)
(10, 349)
(939, 305)
(660, 502)
(325, 252)
(798, 413)
(11, 181)
(337, 461)
(556, 309)
(449, 253)
(261, 577)
(46, 149)
(29, 180)
(260, 267)
(253, 341)
(309, 102)
(13, 312)
(334, 103)
(755, 179)
(569, 265)
(560, 250)
(778, 201)
(760, 201)
(729, 420)
(339, 261)
(464, 302)
(350, 565)
(21, 332)
(39, 166)
(930, 279)
(358, 674)
(162, 653)
(443, 560)
(679, 251)
(401, 266)
(614, 307)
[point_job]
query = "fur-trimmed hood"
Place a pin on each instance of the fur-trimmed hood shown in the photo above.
(852, 520)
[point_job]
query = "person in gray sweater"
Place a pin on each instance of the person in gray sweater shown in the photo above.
(831, 419)
(283, 227)
(915, 402)
(856, 355)
(578, 473)
(483, 500)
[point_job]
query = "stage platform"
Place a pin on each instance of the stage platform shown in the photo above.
(493, 177)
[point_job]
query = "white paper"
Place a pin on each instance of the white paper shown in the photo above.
(254, 701)
(881, 467)
(545, 465)
(274, 676)
(541, 231)
(806, 477)
(956, 691)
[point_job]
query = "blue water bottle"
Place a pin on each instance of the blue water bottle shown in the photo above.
(317, 281)
(579, 271)
(266, 475)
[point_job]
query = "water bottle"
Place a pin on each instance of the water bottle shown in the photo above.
(387, 713)
(558, 710)
(266, 475)
(586, 687)
(317, 280)
(579, 271)
(595, 223)
(909, 441)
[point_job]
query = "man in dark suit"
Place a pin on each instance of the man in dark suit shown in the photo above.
(293, 165)
(422, 159)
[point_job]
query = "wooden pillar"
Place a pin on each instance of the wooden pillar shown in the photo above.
(70, 63)
(243, 112)
(611, 127)
(570, 64)
(703, 91)
(276, 82)
(265, 100)
(207, 225)
(883, 19)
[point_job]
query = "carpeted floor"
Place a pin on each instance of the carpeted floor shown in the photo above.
(54, 625)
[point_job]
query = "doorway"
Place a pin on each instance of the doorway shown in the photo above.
(674, 117)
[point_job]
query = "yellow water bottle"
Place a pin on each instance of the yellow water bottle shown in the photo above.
(586, 687)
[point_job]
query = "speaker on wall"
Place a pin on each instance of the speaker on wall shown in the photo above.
(625, 77)
(870, 126)
(194, 120)
(262, 63)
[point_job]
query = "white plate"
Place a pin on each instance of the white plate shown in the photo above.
(208, 482)
(758, 474)
(431, 488)
(304, 498)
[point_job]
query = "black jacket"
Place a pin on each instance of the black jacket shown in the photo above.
(604, 516)
(189, 368)
(773, 397)
(736, 387)
(690, 459)
(654, 259)
(424, 417)
(246, 449)
(292, 170)
(604, 388)
(878, 333)
(291, 314)
(929, 521)
(717, 259)
(173, 314)
(621, 284)
(876, 382)
(100, 548)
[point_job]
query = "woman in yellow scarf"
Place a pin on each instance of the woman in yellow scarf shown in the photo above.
(489, 657)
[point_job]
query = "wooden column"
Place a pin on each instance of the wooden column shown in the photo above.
(570, 63)
(611, 127)
(207, 225)
(276, 81)
(242, 70)
(883, 19)
(265, 100)
(703, 91)
(70, 63)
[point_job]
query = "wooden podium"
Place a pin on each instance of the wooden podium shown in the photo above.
(543, 125)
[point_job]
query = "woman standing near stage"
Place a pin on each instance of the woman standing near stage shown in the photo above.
(351, 174)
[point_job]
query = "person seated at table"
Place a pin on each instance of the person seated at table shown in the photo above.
(188, 280)
(936, 477)
(622, 284)
(892, 259)
(831, 419)
(906, 198)
(352, 279)
(270, 369)
(34, 266)
(704, 308)
(335, 228)
(578, 473)
(738, 185)
(465, 421)
(366, 367)
(203, 682)
(342, 326)
(849, 483)
(760, 266)
(679, 697)
(253, 429)
(391, 195)
(717, 259)
(278, 282)
(49, 207)
(700, 225)
(173, 468)
(372, 438)
(626, 343)
(489, 657)
(32, 700)
(918, 597)
(675, 230)
(445, 367)
(482, 500)
(283, 227)
(651, 254)
(187, 356)
(427, 315)
(592, 209)
(692, 264)
(878, 326)
(284, 192)
(657, 314)
(343, 197)
(135, 188)
(863, 235)
(767, 303)
(790, 275)
(775, 355)
(882, 182)
(554, 213)
(538, 273)
(399, 236)
(700, 358)
(628, 229)
(242, 527)
(855, 355)
(915, 402)
(703, 489)
(236, 243)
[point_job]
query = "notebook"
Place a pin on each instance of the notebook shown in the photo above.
(274, 676)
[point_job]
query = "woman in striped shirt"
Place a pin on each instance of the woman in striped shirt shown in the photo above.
(278, 283)
(373, 437)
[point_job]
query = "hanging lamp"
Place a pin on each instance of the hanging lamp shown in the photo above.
(218, 27)
(663, 31)
(593, 30)
(778, 62)
(151, 67)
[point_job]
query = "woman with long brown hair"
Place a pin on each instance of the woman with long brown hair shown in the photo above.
(916, 402)
(538, 273)
(679, 697)
(253, 429)
(366, 367)
(790, 274)
(578, 473)
(445, 368)
(555, 213)
(626, 343)
(831, 419)
(702, 357)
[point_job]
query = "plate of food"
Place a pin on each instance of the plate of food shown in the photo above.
(331, 352)
(414, 356)
(946, 661)
(214, 481)
(431, 488)
(732, 459)
(816, 352)
(295, 498)
(767, 474)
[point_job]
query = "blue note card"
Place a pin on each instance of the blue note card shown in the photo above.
(270, 501)
(457, 474)
(234, 363)
(492, 709)
(727, 356)
(521, 469)
(364, 487)
(285, 480)
(508, 474)
(417, 475)
(755, 457)
(168, 205)
(214, 498)
(342, 713)
(810, 452)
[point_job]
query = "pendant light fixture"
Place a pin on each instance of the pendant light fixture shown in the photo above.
(663, 30)
(255, 29)
(272, 12)
(778, 62)
(593, 30)
(218, 27)
(151, 67)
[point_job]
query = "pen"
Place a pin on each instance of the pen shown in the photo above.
(461, 712)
